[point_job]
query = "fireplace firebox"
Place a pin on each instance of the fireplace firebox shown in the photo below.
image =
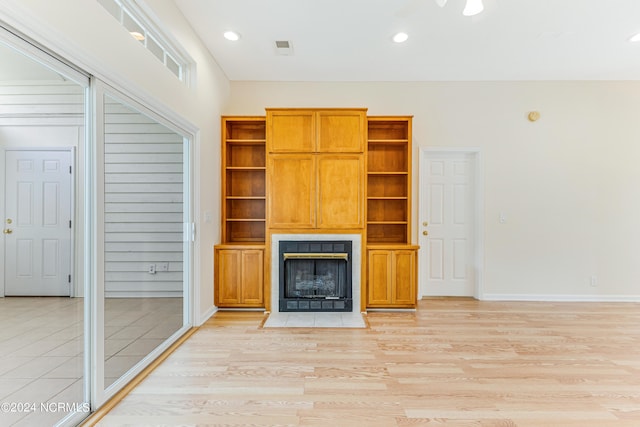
(315, 276)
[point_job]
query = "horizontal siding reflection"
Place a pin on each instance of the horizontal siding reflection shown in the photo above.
(159, 178)
(143, 247)
(143, 218)
(170, 198)
(144, 256)
(140, 267)
(142, 158)
(143, 207)
(129, 276)
(155, 227)
(143, 168)
(143, 204)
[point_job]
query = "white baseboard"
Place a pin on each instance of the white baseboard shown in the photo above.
(560, 298)
(206, 315)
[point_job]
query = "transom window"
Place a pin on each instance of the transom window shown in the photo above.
(141, 28)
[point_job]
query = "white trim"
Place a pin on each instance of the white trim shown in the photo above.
(206, 316)
(560, 298)
(23, 44)
(2, 212)
(476, 152)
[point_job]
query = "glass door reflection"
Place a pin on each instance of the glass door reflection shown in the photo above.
(144, 216)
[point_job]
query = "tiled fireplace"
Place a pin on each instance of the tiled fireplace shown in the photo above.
(317, 272)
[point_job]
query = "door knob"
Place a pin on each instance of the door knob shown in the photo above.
(7, 231)
(425, 233)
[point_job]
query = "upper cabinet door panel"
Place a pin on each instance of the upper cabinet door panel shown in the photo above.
(340, 191)
(292, 191)
(290, 131)
(342, 131)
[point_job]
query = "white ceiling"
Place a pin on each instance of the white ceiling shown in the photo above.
(350, 40)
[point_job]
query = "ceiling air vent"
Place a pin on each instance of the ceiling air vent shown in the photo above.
(284, 47)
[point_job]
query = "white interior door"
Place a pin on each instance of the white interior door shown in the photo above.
(448, 223)
(37, 223)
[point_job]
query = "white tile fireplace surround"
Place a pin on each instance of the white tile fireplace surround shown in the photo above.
(326, 319)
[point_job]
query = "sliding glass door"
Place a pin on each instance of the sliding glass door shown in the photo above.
(86, 309)
(44, 299)
(143, 243)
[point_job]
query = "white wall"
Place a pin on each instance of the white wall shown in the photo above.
(568, 183)
(84, 33)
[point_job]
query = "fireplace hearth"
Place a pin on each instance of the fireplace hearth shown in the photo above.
(315, 276)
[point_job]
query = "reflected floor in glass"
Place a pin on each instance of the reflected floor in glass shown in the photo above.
(133, 328)
(41, 347)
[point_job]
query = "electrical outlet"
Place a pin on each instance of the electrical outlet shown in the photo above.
(151, 269)
(594, 281)
(162, 266)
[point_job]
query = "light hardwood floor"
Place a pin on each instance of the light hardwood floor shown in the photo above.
(451, 363)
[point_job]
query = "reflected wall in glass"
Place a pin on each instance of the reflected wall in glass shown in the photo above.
(144, 213)
(42, 322)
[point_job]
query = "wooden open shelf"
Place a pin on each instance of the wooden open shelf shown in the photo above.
(388, 180)
(244, 179)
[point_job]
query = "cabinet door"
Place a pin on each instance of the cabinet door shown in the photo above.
(228, 277)
(340, 191)
(379, 277)
(291, 131)
(404, 277)
(292, 191)
(252, 277)
(341, 131)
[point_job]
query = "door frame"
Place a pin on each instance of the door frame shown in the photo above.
(72, 194)
(478, 257)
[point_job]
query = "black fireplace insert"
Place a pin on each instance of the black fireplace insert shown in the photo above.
(315, 276)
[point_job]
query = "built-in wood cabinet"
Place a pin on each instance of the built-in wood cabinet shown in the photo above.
(292, 191)
(389, 180)
(341, 131)
(340, 191)
(243, 179)
(239, 276)
(291, 131)
(309, 170)
(301, 130)
(391, 259)
(316, 168)
(392, 277)
(239, 259)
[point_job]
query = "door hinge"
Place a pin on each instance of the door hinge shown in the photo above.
(69, 169)
(69, 223)
(69, 278)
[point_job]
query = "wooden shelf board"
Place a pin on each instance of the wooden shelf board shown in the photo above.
(387, 222)
(387, 198)
(387, 141)
(247, 141)
(246, 219)
(387, 173)
(246, 168)
(246, 197)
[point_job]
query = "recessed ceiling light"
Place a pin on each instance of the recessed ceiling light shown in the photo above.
(231, 35)
(138, 36)
(473, 7)
(635, 38)
(400, 37)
